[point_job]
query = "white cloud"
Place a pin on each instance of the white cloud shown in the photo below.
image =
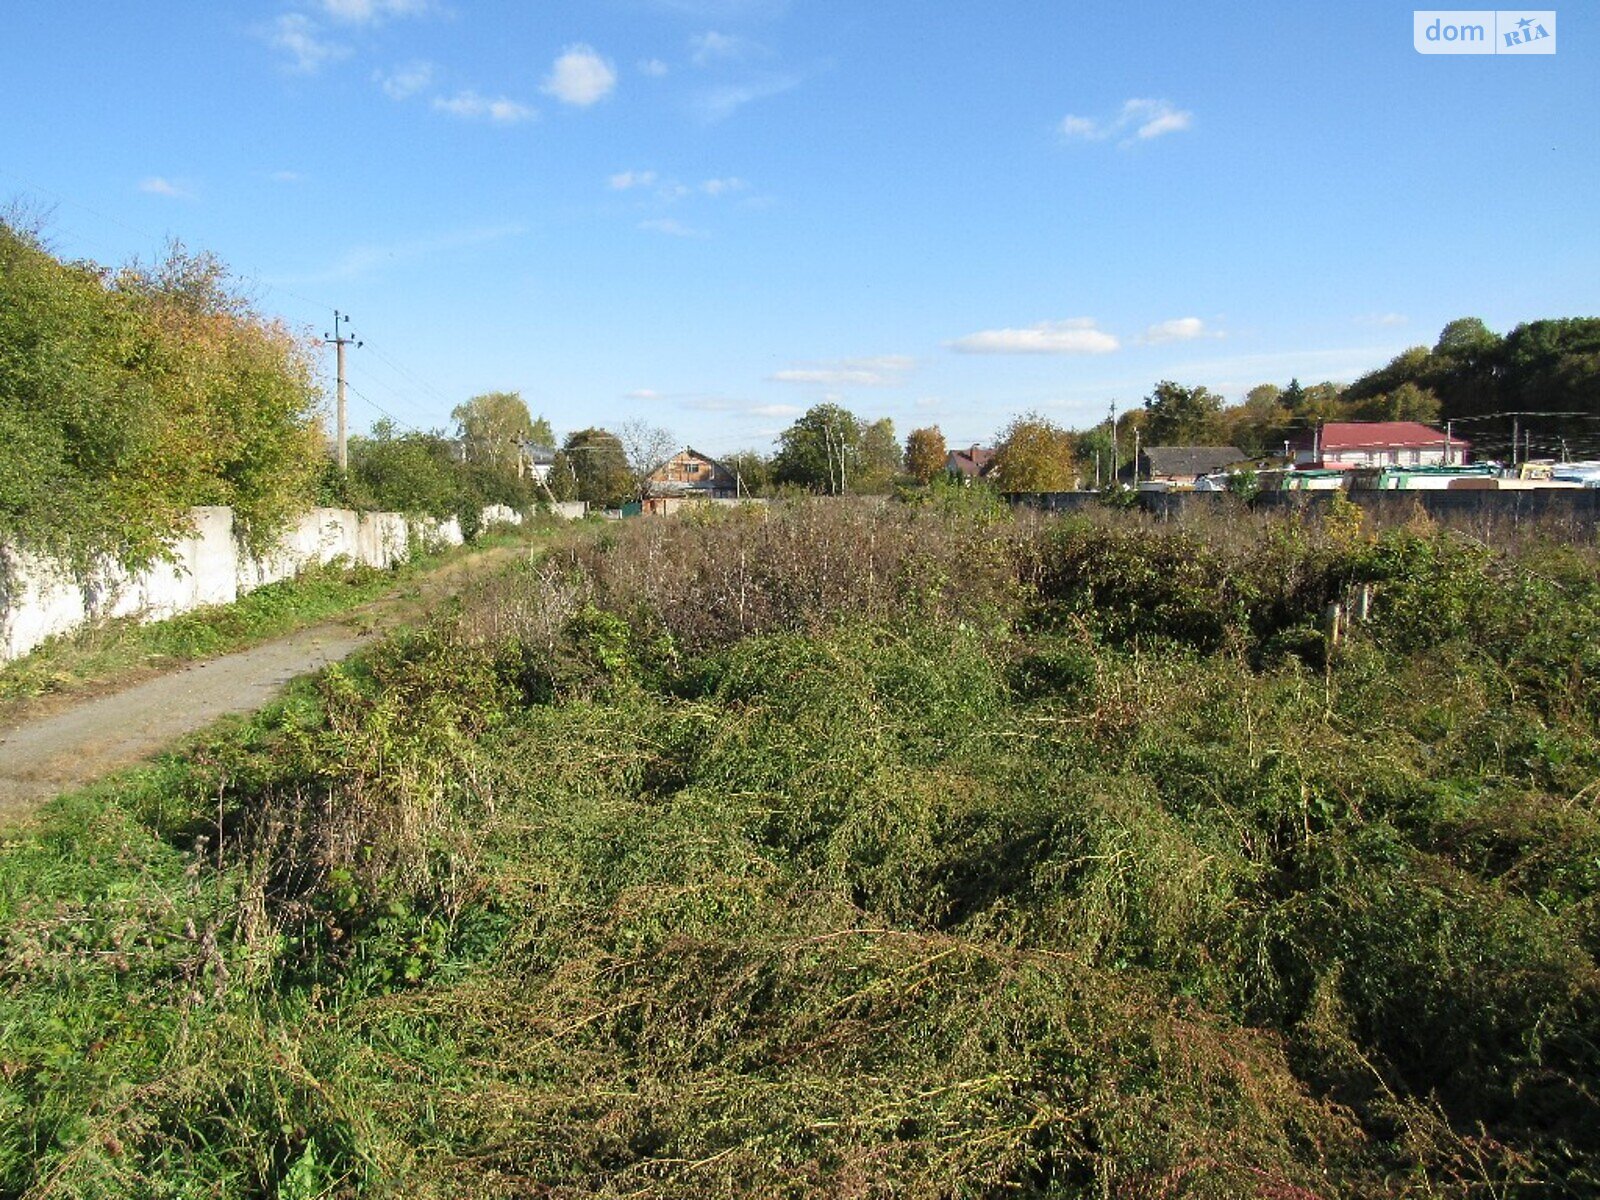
(297, 36)
(711, 46)
(672, 228)
(469, 105)
(653, 67)
(1138, 120)
(671, 192)
(1079, 335)
(643, 394)
(1385, 319)
(624, 181)
(774, 410)
(884, 370)
(718, 103)
(155, 185)
(1181, 329)
(580, 77)
(362, 12)
(286, 177)
(718, 187)
(405, 81)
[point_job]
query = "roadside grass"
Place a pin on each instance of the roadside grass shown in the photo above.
(111, 651)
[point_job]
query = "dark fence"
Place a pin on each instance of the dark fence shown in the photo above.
(1574, 509)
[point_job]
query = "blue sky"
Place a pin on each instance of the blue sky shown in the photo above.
(711, 214)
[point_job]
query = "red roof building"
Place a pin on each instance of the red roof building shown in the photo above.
(1379, 444)
(969, 464)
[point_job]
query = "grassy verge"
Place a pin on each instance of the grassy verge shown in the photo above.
(127, 648)
(934, 858)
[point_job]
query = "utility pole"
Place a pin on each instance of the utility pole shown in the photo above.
(1113, 443)
(1136, 456)
(1516, 436)
(1448, 428)
(339, 342)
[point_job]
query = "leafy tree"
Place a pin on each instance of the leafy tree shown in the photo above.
(1035, 455)
(597, 466)
(493, 426)
(821, 451)
(130, 397)
(926, 454)
(1408, 402)
(1180, 416)
(879, 456)
(752, 469)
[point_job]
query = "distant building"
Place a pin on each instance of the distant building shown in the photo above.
(535, 460)
(1184, 466)
(972, 463)
(1341, 444)
(690, 475)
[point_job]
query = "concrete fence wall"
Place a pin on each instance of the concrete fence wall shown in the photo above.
(40, 598)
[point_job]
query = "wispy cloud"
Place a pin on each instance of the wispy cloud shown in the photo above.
(1180, 329)
(624, 181)
(653, 67)
(405, 81)
(365, 12)
(470, 106)
(721, 187)
(715, 10)
(286, 177)
(1137, 120)
(580, 77)
(156, 185)
(365, 259)
(718, 103)
(774, 410)
(710, 47)
(299, 39)
(1077, 335)
(1388, 319)
(883, 370)
(672, 228)
(643, 394)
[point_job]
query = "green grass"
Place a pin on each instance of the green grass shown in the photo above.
(1044, 901)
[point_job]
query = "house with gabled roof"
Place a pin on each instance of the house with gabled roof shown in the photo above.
(1339, 444)
(690, 475)
(1184, 466)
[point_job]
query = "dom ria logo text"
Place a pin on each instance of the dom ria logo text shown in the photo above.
(1484, 31)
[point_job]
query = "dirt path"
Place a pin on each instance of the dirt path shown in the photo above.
(44, 755)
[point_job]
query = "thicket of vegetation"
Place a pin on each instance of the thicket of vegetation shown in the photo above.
(131, 396)
(838, 851)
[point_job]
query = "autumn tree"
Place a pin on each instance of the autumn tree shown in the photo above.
(1035, 455)
(926, 454)
(879, 457)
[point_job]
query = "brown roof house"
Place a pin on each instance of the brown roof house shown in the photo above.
(1185, 466)
(686, 477)
(972, 463)
(1340, 444)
